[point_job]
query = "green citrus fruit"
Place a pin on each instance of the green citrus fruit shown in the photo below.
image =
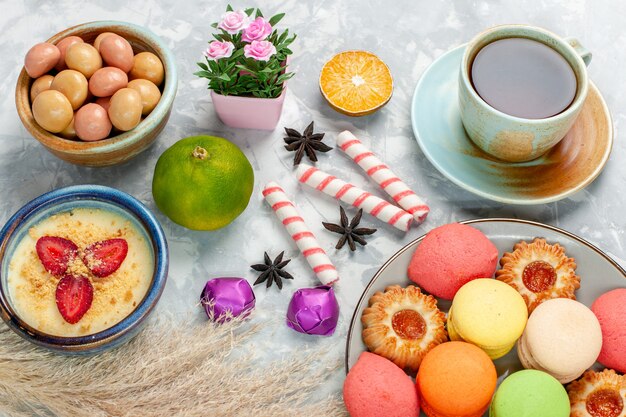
(202, 182)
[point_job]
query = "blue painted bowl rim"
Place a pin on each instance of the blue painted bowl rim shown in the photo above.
(164, 105)
(129, 323)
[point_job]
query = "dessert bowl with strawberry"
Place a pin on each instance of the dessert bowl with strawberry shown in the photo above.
(81, 268)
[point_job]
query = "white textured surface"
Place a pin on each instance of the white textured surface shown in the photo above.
(408, 35)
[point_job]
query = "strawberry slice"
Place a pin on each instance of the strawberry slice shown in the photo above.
(105, 257)
(74, 296)
(55, 253)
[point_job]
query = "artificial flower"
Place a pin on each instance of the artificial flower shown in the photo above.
(217, 50)
(233, 22)
(258, 30)
(259, 50)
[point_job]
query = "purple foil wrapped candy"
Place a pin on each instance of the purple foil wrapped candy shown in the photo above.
(313, 311)
(223, 295)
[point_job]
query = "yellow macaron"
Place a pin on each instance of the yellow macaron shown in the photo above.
(489, 314)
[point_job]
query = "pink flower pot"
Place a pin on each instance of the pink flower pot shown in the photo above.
(249, 112)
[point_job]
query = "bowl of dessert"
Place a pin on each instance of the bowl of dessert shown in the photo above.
(97, 94)
(81, 268)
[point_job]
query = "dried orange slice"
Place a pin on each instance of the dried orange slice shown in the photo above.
(356, 83)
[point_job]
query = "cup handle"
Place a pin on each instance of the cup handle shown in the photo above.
(582, 51)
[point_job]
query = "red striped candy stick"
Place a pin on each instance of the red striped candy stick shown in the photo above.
(352, 194)
(383, 176)
(300, 233)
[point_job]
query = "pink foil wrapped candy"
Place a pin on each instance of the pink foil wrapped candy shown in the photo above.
(224, 296)
(313, 311)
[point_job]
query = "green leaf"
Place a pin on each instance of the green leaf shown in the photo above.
(213, 66)
(258, 13)
(243, 68)
(203, 66)
(275, 19)
(284, 77)
(272, 37)
(283, 36)
(224, 77)
(202, 74)
(249, 11)
(229, 8)
(252, 64)
(214, 25)
(288, 41)
(237, 54)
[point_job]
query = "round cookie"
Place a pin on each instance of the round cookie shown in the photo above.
(610, 309)
(450, 256)
(539, 271)
(403, 325)
(455, 379)
(376, 387)
(530, 393)
(598, 394)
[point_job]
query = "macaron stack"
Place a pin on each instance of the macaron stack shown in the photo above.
(456, 379)
(530, 393)
(562, 337)
(610, 309)
(489, 314)
(376, 387)
(450, 256)
(531, 304)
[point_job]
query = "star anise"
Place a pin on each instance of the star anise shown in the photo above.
(307, 142)
(349, 231)
(272, 271)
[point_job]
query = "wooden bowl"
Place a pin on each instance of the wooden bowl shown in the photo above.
(122, 147)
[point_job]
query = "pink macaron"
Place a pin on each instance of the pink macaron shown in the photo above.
(610, 309)
(450, 256)
(377, 387)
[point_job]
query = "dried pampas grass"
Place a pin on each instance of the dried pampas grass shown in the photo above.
(168, 370)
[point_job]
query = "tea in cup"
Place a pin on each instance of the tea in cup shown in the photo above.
(521, 89)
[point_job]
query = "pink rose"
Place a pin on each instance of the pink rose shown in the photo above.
(258, 30)
(233, 22)
(259, 50)
(217, 50)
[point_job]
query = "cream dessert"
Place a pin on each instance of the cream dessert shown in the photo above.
(80, 271)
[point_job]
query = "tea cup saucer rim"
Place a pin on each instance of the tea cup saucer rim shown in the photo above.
(443, 65)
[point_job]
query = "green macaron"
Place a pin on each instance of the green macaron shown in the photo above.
(530, 393)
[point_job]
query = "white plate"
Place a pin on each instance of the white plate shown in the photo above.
(598, 273)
